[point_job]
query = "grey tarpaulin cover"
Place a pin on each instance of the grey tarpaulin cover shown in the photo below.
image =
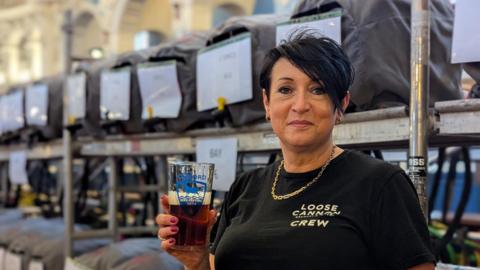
(11, 215)
(51, 252)
(13, 132)
(8, 225)
(9, 220)
(151, 261)
(184, 51)
(43, 240)
(27, 239)
(90, 125)
(115, 254)
(9, 232)
(262, 29)
(18, 237)
(53, 127)
(376, 37)
(130, 59)
(32, 234)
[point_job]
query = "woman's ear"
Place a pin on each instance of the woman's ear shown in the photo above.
(346, 101)
(344, 104)
(266, 104)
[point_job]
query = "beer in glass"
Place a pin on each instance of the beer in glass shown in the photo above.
(189, 196)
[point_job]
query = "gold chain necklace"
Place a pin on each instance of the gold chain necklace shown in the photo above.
(298, 191)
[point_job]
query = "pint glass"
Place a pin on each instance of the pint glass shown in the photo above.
(189, 195)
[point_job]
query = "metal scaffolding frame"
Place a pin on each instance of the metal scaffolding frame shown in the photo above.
(451, 123)
(419, 85)
(448, 123)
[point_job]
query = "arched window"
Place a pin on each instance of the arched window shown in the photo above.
(264, 7)
(11, 3)
(147, 38)
(223, 12)
(24, 60)
(4, 58)
(88, 35)
(285, 6)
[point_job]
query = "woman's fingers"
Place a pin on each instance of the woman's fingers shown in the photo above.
(166, 220)
(168, 224)
(212, 217)
(167, 232)
(168, 243)
(167, 229)
(165, 204)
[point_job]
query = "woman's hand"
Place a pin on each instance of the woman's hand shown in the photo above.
(196, 258)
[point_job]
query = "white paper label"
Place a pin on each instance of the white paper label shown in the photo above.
(13, 111)
(115, 94)
(36, 102)
(76, 95)
(441, 266)
(225, 70)
(2, 258)
(35, 265)
(12, 262)
(319, 25)
(223, 153)
(70, 264)
(17, 167)
(466, 37)
(161, 96)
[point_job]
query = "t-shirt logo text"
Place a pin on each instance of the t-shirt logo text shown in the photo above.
(306, 212)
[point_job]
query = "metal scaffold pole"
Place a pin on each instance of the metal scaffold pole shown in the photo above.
(67, 142)
(419, 125)
(112, 198)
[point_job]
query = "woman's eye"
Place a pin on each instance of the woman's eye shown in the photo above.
(318, 91)
(284, 90)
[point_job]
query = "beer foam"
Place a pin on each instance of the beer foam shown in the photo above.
(173, 199)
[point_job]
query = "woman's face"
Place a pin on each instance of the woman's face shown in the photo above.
(301, 112)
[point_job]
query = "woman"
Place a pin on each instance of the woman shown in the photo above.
(321, 207)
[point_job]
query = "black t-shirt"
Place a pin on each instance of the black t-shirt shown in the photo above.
(361, 214)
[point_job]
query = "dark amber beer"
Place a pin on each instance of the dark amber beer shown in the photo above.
(192, 223)
(189, 196)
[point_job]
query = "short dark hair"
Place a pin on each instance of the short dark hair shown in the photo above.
(320, 58)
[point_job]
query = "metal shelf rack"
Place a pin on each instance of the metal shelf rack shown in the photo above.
(450, 123)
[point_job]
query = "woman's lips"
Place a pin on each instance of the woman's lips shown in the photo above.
(300, 123)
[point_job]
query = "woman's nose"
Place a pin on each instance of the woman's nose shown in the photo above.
(301, 103)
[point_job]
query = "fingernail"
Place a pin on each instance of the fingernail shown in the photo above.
(171, 241)
(173, 220)
(174, 229)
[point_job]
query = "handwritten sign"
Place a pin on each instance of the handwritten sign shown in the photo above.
(17, 167)
(76, 96)
(466, 37)
(13, 111)
(12, 262)
(160, 91)
(225, 70)
(223, 153)
(2, 258)
(35, 265)
(70, 264)
(328, 25)
(115, 94)
(36, 103)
